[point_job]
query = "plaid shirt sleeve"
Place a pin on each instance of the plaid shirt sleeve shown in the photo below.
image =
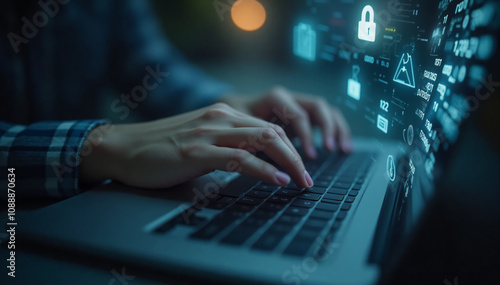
(45, 156)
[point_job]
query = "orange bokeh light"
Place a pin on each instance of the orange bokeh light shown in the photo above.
(248, 15)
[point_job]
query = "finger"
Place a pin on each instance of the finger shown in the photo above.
(344, 133)
(250, 121)
(239, 160)
(320, 113)
(223, 114)
(299, 120)
(268, 141)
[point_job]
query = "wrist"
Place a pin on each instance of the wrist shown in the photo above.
(100, 162)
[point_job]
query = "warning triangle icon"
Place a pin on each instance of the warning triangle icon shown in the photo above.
(404, 73)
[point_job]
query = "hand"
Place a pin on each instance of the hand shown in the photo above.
(297, 113)
(170, 151)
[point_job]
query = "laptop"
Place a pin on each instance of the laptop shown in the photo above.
(412, 71)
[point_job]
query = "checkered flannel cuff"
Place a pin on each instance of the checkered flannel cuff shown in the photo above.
(45, 156)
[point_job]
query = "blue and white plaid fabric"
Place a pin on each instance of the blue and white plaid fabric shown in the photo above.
(45, 156)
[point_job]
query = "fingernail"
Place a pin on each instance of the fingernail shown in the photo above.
(346, 145)
(282, 178)
(330, 143)
(311, 152)
(308, 178)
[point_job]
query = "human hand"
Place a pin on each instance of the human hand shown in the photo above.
(170, 151)
(298, 113)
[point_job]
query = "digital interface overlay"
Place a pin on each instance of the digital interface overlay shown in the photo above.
(413, 70)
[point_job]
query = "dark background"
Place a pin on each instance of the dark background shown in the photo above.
(195, 27)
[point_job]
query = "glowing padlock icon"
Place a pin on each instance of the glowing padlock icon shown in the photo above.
(353, 85)
(367, 26)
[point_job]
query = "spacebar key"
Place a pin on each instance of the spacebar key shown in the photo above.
(238, 186)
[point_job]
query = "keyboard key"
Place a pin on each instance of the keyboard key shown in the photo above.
(241, 208)
(213, 227)
(238, 186)
(259, 194)
(348, 179)
(234, 215)
(287, 219)
(280, 199)
(308, 233)
(296, 211)
(327, 207)
(337, 191)
(310, 196)
(341, 215)
(303, 203)
(335, 227)
(266, 187)
(269, 240)
(247, 200)
(346, 207)
(217, 197)
(165, 227)
(342, 185)
(253, 221)
(324, 200)
(316, 190)
(353, 193)
(349, 199)
(188, 220)
(333, 197)
(302, 241)
(298, 247)
(239, 235)
(263, 214)
(226, 200)
(216, 205)
(319, 214)
(293, 186)
(272, 206)
(220, 203)
(326, 177)
(357, 186)
(322, 183)
(281, 227)
(323, 248)
(288, 192)
(315, 223)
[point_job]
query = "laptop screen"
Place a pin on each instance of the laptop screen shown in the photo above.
(412, 70)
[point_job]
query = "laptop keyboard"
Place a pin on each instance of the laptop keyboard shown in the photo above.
(285, 219)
